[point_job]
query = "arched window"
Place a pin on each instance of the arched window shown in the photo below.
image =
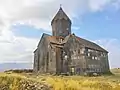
(92, 57)
(96, 58)
(78, 51)
(88, 54)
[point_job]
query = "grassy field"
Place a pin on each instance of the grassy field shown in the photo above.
(20, 82)
(48, 82)
(82, 83)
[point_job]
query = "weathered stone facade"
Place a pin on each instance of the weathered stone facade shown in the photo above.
(64, 52)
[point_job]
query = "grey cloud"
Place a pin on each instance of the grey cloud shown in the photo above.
(39, 13)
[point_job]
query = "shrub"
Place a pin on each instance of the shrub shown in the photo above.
(20, 71)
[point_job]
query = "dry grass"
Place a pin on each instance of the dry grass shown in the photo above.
(62, 83)
(82, 83)
(20, 82)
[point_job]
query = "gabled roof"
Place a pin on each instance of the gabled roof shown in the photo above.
(86, 43)
(53, 39)
(43, 36)
(90, 44)
(66, 39)
(61, 15)
(34, 50)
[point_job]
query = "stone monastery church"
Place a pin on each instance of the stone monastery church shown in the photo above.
(63, 52)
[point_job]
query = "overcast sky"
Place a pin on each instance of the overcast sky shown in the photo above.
(22, 23)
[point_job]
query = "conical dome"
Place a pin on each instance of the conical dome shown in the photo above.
(61, 15)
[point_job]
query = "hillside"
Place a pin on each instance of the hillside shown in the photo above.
(115, 70)
(8, 66)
